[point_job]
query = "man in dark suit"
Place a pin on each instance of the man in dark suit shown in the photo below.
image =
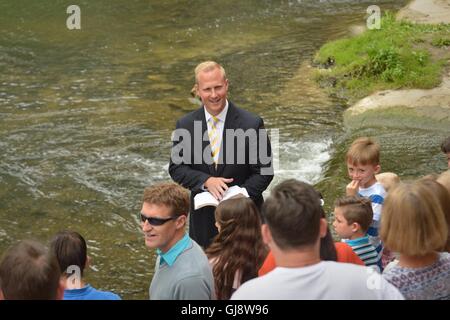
(217, 146)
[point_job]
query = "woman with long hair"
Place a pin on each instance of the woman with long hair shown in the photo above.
(238, 251)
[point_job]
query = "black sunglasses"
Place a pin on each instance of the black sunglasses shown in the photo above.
(154, 221)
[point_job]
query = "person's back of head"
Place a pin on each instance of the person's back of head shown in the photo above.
(28, 271)
(293, 213)
(356, 210)
(413, 221)
(70, 250)
(364, 151)
(443, 195)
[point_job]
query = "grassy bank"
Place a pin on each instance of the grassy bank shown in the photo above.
(398, 55)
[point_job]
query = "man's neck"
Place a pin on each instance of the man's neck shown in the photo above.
(418, 261)
(296, 258)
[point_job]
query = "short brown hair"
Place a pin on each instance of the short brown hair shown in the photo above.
(356, 209)
(413, 222)
(293, 212)
(28, 271)
(170, 194)
(363, 151)
(445, 146)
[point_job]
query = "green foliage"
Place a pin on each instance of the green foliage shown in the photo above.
(394, 56)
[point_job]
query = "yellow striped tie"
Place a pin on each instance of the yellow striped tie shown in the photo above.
(214, 139)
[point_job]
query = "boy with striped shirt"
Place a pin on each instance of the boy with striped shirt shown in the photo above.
(353, 216)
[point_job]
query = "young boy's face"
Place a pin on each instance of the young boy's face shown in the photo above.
(365, 174)
(340, 224)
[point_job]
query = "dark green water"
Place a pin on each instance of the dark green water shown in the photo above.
(86, 115)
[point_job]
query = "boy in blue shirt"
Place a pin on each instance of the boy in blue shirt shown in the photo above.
(71, 252)
(363, 163)
(352, 218)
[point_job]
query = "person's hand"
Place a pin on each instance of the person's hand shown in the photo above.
(352, 188)
(217, 186)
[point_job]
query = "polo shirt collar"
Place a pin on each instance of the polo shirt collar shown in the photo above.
(170, 256)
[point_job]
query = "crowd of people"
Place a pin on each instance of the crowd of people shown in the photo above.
(394, 236)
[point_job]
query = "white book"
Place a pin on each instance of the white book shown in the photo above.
(207, 199)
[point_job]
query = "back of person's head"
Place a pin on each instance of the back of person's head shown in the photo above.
(444, 179)
(28, 271)
(293, 212)
(413, 222)
(363, 151)
(70, 249)
(356, 210)
(388, 180)
(443, 195)
(168, 194)
(445, 146)
(238, 245)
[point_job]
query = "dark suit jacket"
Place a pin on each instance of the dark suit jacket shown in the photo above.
(246, 171)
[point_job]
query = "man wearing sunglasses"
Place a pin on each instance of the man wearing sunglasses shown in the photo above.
(182, 271)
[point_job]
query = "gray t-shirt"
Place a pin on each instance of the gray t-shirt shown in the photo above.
(189, 278)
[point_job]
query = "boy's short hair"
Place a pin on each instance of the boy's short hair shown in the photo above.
(292, 213)
(356, 209)
(445, 146)
(169, 194)
(413, 221)
(363, 151)
(28, 271)
(70, 249)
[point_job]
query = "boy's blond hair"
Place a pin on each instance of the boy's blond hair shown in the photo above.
(363, 151)
(356, 209)
(413, 221)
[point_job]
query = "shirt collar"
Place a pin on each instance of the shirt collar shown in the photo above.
(170, 256)
(221, 116)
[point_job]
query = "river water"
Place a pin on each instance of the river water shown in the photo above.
(86, 115)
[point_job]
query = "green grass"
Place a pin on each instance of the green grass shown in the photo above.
(396, 56)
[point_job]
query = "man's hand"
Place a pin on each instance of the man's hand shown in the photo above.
(352, 188)
(217, 186)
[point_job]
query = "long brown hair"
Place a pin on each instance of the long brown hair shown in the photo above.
(238, 246)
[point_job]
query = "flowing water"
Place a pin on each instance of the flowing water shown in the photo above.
(86, 115)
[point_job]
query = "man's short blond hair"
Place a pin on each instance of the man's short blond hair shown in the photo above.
(169, 194)
(413, 222)
(363, 151)
(208, 66)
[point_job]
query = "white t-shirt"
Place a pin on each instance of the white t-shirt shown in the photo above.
(376, 194)
(324, 280)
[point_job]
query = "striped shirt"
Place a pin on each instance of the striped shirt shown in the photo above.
(366, 252)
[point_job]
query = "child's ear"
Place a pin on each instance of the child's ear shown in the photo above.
(2, 297)
(377, 169)
(323, 228)
(355, 227)
(266, 235)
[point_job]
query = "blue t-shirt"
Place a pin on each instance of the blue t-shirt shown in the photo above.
(89, 293)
